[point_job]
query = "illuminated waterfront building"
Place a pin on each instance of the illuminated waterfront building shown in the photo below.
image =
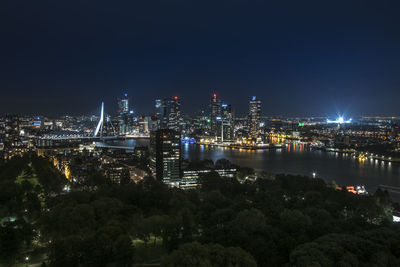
(227, 130)
(254, 117)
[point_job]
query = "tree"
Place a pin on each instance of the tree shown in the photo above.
(267, 175)
(123, 251)
(250, 221)
(243, 172)
(191, 254)
(295, 223)
(342, 250)
(153, 225)
(231, 256)
(66, 252)
(223, 164)
(197, 255)
(10, 241)
(211, 181)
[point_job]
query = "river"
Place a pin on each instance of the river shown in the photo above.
(299, 159)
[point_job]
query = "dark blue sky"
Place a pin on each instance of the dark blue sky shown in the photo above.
(298, 57)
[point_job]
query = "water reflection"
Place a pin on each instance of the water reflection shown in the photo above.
(299, 159)
(296, 158)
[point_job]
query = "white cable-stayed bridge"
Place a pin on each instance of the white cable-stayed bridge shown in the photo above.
(96, 135)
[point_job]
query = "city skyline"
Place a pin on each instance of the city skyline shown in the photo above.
(302, 59)
(113, 109)
(199, 133)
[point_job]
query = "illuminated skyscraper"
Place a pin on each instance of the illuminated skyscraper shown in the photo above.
(124, 115)
(159, 112)
(123, 104)
(174, 114)
(215, 114)
(166, 151)
(254, 117)
(169, 113)
(227, 122)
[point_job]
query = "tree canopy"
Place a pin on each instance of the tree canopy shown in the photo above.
(288, 220)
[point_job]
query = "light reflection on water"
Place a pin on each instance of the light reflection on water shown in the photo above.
(300, 159)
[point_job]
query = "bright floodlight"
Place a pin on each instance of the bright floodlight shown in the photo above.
(339, 120)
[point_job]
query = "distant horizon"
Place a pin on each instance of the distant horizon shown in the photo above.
(237, 116)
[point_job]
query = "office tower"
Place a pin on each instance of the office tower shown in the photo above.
(215, 114)
(169, 113)
(123, 104)
(174, 114)
(254, 117)
(159, 112)
(227, 122)
(166, 151)
(124, 115)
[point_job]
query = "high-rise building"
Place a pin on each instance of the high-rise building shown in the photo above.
(123, 104)
(215, 114)
(254, 117)
(166, 151)
(124, 115)
(169, 113)
(174, 114)
(159, 112)
(227, 122)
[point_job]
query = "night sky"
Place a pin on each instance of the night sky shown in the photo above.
(301, 58)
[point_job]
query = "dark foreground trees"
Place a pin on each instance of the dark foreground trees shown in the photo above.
(287, 220)
(195, 254)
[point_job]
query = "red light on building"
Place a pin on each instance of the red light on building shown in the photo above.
(175, 97)
(215, 95)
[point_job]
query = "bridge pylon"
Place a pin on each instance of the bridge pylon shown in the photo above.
(100, 125)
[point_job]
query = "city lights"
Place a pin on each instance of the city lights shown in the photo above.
(117, 150)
